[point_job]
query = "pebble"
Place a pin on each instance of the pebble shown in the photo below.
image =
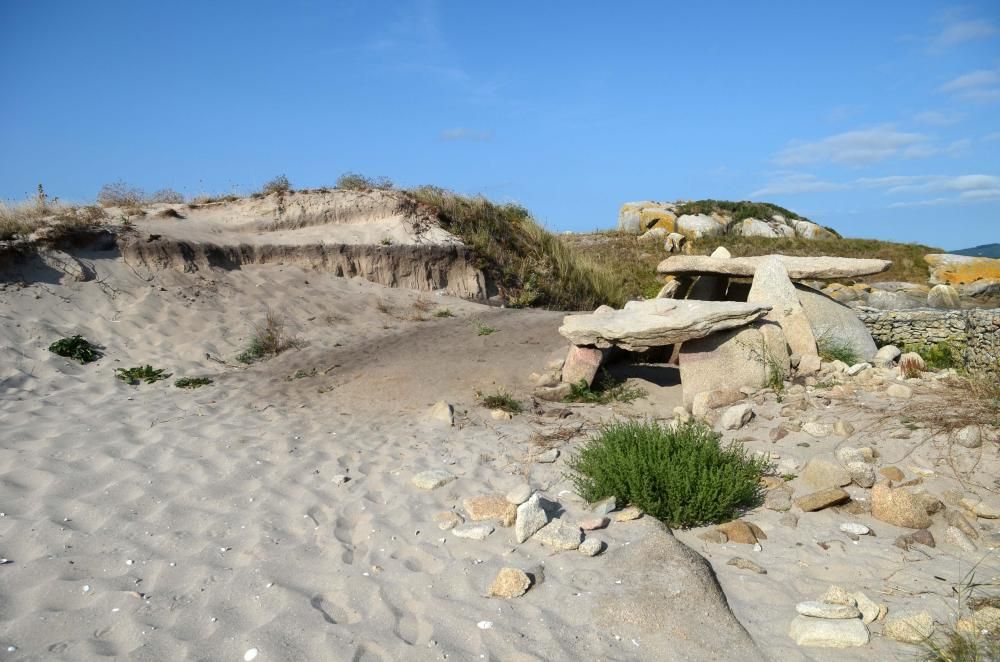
(817, 429)
(448, 520)
(490, 508)
(560, 535)
(485, 625)
(912, 628)
(892, 473)
(250, 655)
(594, 523)
(432, 479)
(746, 564)
(855, 528)
(818, 609)
(529, 519)
(970, 436)
(519, 494)
(340, 479)
(477, 531)
(500, 415)
(869, 609)
(591, 547)
(628, 514)
(510, 583)
(836, 595)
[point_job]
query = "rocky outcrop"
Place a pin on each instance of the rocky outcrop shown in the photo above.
(658, 322)
(975, 278)
(799, 268)
(640, 217)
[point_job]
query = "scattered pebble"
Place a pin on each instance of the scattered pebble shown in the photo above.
(477, 531)
(485, 625)
(250, 655)
(827, 610)
(510, 583)
(855, 528)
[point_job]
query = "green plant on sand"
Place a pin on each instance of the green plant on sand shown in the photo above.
(938, 356)
(146, 373)
(192, 382)
(603, 391)
(832, 348)
(501, 400)
(681, 475)
(77, 348)
(269, 339)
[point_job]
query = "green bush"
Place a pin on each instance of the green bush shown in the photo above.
(146, 373)
(503, 401)
(77, 348)
(279, 184)
(939, 356)
(681, 476)
(605, 390)
(835, 349)
(352, 181)
(192, 382)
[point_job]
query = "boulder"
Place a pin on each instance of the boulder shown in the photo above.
(772, 286)
(798, 268)
(699, 225)
(886, 356)
(723, 361)
(832, 321)
(630, 216)
(752, 227)
(949, 269)
(675, 242)
(658, 322)
(943, 296)
(899, 507)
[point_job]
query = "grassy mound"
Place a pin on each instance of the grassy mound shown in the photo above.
(741, 210)
(681, 476)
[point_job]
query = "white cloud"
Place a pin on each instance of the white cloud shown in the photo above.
(862, 147)
(462, 133)
(937, 118)
(979, 85)
(934, 202)
(968, 186)
(791, 182)
(962, 31)
(991, 137)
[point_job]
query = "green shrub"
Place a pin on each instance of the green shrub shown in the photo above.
(352, 181)
(835, 349)
(939, 356)
(192, 382)
(279, 184)
(77, 348)
(605, 390)
(443, 312)
(740, 210)
(146, 373)
(482, 328)
(503, 401)
(681, 476)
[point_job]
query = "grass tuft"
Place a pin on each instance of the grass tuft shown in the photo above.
(269, 339)
(279, 184)
(835, 349)
(939, 356)
(604, 391)
(503, 401)
(681, 476)
(352, 181)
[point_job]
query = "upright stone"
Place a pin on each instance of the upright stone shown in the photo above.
(771, 285)
(723, 361)
(711, 288)
(582, 363)
(943, 296)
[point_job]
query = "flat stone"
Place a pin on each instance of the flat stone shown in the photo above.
(955, 536)
(496, 508)
(519, 494)
(591, 547)
(448, 520)
(432, 479)
(559, 535)
(658, 322)
(858, 368)
(910, 628)
(869, 609)
(746, 564)
(823, 471)
(855, 528)
(547, 457)
(553, 393)
(594, 523)
(736, 416)
(738, 531)
(510, 583)
(798, 268)
(817, 429)
(530, 518)
(828, 633)
(822, 499)
(627, 514)
(826, 610)
(892, 473)
(477, 531)
(604, 506)
(899, 507)
(779, 500)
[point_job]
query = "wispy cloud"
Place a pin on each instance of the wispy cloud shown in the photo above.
(991, 137)
(979, 85)
(969, 187)
(855, 148)
(462, 133)
(790, 182)
(937, 118)
(958, 32)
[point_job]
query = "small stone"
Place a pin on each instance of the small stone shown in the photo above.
(432, 479)
(746, 564)
(836, 595)
(779, 500)
(442, 412)
(923, 537)
(899, 507)
(960, 522)
(477, 531)
(892, 473)
(560, 535)
(736, 417)
(980, 508)
(530, 518)
(591, 547)
(791, 520)
(519, 494)
(510, 583)
(858, 368)
(448, 520)
(869, 609)
(628, 514)
(817, 429)
(714, 536)
(899, 391)
(604, 506)
(594, 523)
(548, 457)
(862, 473)
(490, 508)
(340, 479)
(957, 537)
(855, 528)
(501, 415)
(822, 499)
(970, 436)
(824, 471)
(828, 633)
(912, 628)
(842, 428)
(827, 610)
(886, 356)
(738, 531)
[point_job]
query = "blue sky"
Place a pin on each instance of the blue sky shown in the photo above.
(880, 119)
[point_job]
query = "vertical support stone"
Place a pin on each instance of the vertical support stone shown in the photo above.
(582, 363)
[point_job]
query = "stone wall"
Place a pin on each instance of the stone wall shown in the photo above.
(975, 333)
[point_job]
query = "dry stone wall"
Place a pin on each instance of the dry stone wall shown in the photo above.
(974, 333)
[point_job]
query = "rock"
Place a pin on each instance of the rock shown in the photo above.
(727, 360)
(910, 628)
(477, 531)
(746, 564)
(809, 364)
(706, 401)
(958, 520)
(341, 479)
(582, 363)
(842, 428)
(738, 531)
(519, 494)
(817, 429)
(714, 536)
(501, 415)
(529, 519)
(944, 296)
(559, 535)
(979, 508)
(657, 322)
(442, 412)
(862, 473)
(854, 528)
(858, 368)
(886, 356)
(672, 289)
(950, 269)
(855, 454)
(898, 507)
(869, 609)
(778, 433)
(911, 364)
(546, 457)
(553, 393)
(823, 499)
(955, 536)
(699, 225)
(675, 242)
(432, 479)
(779, 500)
(594, 523)
(892, 473)
(970, 436)
(930, 503)
(448, 520)
(490, 507)
(798, 268)
(826, 610)
(923, 537)
(627, 514)
(736, 417)
(837, 366)
(772, 286)
(836, 595)
(591, 547)
(833, 322)
(828, 633)
(510, 583)
(604, 506)
(824, 471)
(791, 520)
(899, 391)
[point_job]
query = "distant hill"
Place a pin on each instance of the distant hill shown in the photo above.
(986, 250)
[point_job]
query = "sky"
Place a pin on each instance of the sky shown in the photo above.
(879, 119)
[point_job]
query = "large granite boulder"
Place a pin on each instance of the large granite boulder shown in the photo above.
(799, 268)
(949, 269)
(638, 217)
(832, 321)
(943, 296)
(658, 322)
(700, 225)
(724, 360)
(772, 286)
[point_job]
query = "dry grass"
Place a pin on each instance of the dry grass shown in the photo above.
(270, 339)
(49, 222)
(968, 399)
